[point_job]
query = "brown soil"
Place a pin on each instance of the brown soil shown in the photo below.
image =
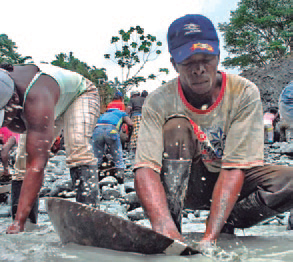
(271, 79)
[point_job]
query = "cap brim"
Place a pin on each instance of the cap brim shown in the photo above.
(205, 47)
(2, 113)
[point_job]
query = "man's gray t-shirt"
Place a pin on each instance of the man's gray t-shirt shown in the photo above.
(230, 132)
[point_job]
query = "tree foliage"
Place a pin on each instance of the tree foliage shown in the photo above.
(8, 53)
(132, 50)
(259, 31)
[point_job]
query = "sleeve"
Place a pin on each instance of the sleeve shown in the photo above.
(245, 138)
(150, 140)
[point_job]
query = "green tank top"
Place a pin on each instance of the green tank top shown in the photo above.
(71, 85)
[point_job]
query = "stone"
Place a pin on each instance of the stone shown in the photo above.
(114, 207)
(109, 193)
(108, 181)
(59, 186)
(136, 214)
(131, 200)
(5, 211)
(61, 153)
(129, 186)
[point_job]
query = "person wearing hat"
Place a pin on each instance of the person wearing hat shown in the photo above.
(201, 141)
(106, 139)
(117, 102)
(134, 110)
(38, 101)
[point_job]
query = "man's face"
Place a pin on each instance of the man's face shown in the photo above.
(198, 73)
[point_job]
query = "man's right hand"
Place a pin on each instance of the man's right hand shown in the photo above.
(152, 195)
(168, 229)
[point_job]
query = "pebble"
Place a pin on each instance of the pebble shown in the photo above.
(57, 182)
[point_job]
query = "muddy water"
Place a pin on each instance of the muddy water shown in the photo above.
(40, 243)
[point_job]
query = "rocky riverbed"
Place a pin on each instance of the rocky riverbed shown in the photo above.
(41, 243)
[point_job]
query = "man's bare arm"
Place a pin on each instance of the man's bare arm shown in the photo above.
(225, 195)
(153, 198)
(39, 115)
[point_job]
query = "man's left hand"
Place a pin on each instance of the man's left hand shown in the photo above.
(15, 228)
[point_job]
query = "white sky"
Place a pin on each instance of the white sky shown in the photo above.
(43, 29)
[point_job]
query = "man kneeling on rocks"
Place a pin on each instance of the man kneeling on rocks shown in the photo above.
(40, 100)
(106, 138)
(201, 142)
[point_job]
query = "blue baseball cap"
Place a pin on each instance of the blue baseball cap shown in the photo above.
(192, 34)
(119, 93)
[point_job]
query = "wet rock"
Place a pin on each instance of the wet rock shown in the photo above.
(128, 163)
(109, 181)
(109, 193)
(49, 177)
(59, 186)
(196, 213)
(58, 160)
(42, 206)
(290, 221)
(144, 222)
(131, 200)
(61, 153)
(50, 167)
(45, 191)
(129, 186)
(115, 208)
(5, 211)
(128, 173)
(136, 214)
(66, 194)
(287, 148)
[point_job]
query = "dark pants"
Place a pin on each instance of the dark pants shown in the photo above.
(272, 184)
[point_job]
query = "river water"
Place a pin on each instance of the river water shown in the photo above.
(268, 243)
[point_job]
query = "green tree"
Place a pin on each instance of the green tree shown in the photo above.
(8, 53)
(97, 75)
(259, 31)
(132, 50)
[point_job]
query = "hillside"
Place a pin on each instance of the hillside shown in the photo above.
(271, 79)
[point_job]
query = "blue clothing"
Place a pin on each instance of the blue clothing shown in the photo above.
(106, 133)
(103, 135)
(113, 117)
(286, 104)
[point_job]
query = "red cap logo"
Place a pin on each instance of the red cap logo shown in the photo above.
(202, 46)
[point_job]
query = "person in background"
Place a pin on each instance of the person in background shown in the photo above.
(9, 141)
(134, 110)
(106, 136)
(286, 125)
(201, 143)
(117, 102)
(270, 118)
(286, 113)
(38, 100)
(58, 143)
(144, 93)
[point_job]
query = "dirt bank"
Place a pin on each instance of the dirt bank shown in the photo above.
(271, 79)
